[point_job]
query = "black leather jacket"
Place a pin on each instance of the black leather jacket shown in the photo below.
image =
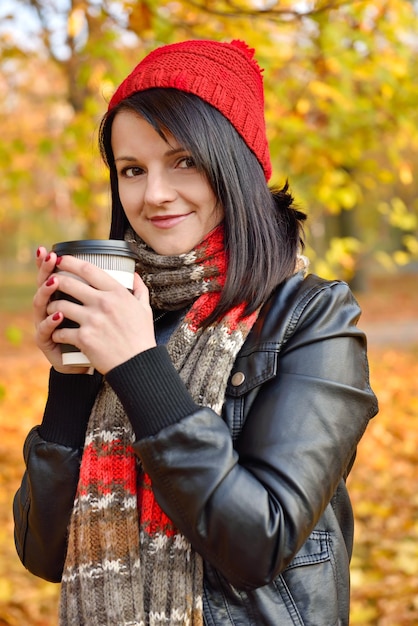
(262, 493)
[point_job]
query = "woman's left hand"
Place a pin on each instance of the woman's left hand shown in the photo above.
(114, 324)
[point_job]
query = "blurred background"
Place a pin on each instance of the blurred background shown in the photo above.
(341, 80)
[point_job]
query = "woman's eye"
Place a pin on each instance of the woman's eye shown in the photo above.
(187, 162)
(131, 172)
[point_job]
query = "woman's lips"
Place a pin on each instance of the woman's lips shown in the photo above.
(167, 221)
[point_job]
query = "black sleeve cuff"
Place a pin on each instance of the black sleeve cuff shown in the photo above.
(151, 391)
(70, 401)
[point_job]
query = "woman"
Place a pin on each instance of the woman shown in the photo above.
(229, 390)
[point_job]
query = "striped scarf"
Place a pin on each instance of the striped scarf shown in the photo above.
(127, 564)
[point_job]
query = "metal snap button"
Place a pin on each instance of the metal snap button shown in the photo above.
(237, 379)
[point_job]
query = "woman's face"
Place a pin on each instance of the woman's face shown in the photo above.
(168, 203)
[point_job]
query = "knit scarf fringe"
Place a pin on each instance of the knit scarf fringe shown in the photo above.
(127, 564)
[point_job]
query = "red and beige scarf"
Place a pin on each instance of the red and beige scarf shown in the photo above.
(127, 565)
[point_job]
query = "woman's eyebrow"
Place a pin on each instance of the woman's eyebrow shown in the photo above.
(171, 152)
(174, 151)
(125, 158)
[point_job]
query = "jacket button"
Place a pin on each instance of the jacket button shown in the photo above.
(237, 379)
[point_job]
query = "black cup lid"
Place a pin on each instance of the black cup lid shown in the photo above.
(96, 246)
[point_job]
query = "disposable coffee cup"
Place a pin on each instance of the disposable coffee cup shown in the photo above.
(116, 258)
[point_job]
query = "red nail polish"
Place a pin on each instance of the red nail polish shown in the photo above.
(38, 252)
(56, 316)
(58, 261)
(47, 258)
(50, 281)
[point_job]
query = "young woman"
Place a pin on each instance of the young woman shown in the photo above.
(198, 475)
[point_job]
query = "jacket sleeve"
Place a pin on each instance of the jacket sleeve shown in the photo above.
(248, 507)
(42, 506)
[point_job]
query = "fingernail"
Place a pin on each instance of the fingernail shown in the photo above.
(50, 281)
(38, 252)
(58, 261)
(47, 258)
(56, 316)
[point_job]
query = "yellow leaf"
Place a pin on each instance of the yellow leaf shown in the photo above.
(411, 243)
(405, 174)
(76, 21)
(385, 260)
(6, 590)
(326, 92)
(303, 106)
(140, 17)
(387, 91)
(401, 258)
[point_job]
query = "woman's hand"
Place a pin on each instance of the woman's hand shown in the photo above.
(114, 325)
(46, 324)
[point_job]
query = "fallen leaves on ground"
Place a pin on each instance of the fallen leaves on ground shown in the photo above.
(24, 599)
(383, 487)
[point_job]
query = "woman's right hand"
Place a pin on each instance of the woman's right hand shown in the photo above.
(46, 324)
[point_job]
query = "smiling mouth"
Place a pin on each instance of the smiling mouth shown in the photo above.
(168, 221)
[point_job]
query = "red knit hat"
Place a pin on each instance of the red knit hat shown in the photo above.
(225, 75)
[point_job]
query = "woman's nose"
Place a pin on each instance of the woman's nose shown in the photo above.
(158, 189)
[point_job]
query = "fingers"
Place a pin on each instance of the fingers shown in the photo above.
(87, 272)
(48, 322)
(72, 289)
(85, 282)
(45, 339)
(42, 298)
(41, 253)
(46, 262)
(140, 290)
(45, 323)
(46, 328)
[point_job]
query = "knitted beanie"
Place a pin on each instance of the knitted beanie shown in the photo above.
(225, 75)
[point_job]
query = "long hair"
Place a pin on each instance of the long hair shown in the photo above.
(263, 230)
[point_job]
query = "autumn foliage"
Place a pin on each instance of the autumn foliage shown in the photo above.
(382, 483)
(341, 87)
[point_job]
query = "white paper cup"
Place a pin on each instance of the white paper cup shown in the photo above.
(116, 258)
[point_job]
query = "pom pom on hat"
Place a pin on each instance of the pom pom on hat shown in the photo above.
(225, 75)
